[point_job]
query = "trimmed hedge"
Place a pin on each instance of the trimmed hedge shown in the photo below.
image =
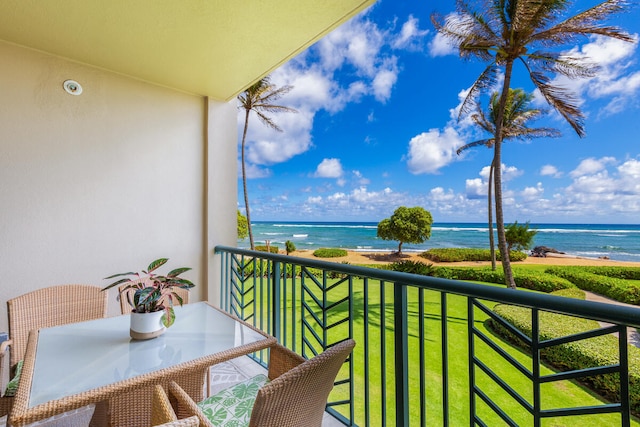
(617, 289)
(627, 273)
(598, 351)
(574, 293)
(414, 267)
(529, 280)
(329, 253)
(467, 254)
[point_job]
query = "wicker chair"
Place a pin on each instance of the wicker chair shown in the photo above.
(162, 414)
(187, 422)
(295, 396)
(43, 308)
(125, 308)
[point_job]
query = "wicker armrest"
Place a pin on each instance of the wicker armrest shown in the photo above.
(185, 406)
(5, 365)
(161, 410)
(6, 402)
(281, 360)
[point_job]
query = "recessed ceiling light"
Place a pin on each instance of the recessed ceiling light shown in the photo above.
(72, 87)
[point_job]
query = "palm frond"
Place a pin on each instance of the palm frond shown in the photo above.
(562, 100)
(586, 23)
(259, 98)
(482, 121)
(569, 66)
(267, 121)
(528, 133)
(486, 80)
(486, 142)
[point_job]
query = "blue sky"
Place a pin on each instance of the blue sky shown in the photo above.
(377, 128)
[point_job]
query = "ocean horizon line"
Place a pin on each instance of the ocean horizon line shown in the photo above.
(614, 241)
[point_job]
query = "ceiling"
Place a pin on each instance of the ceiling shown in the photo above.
(214, 48)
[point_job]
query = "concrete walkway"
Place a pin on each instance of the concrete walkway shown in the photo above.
(633, 337)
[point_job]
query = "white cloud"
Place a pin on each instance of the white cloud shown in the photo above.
(384, 81)
(360, 179)
(337, 197)
(358, 202)
(441, 46)
(550, 170)
(533, 193)
(510, 172)
(476, 188)
(613, 80)
(591, 166)
(254, 171)
(410, 35)
(430, 151)
(371, 117)
(361, 52)
(329, 168)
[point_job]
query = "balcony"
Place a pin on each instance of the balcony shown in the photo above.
(411, 368)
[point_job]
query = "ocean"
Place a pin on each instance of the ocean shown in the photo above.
(618, 242)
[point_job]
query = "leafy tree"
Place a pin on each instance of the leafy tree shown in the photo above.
(519, 236)
(259, 98)
(516, 116)
(243, 227)
(406, 225)
(289, 246)
(500, 32)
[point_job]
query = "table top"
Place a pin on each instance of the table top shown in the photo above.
(88, 357)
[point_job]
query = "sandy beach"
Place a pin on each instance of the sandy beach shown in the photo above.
(354, 257)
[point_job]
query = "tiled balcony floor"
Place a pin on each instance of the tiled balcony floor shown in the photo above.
(237, 370)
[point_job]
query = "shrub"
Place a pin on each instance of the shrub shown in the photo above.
(272, 249)
(329, 253)
(529, 280)
(289, 246)
(598, 351)
(617, 289)
(574, 293)
(414, 267)
(466, 254)
(627, 273)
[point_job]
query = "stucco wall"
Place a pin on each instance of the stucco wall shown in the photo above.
(104, 182)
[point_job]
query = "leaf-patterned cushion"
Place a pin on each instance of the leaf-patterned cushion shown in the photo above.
(12, 386)
(232, 406)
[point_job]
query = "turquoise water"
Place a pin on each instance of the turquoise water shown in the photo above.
(618, 242)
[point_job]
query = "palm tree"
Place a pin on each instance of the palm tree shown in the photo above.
(516, 116)
(503, 31)
(259, 98)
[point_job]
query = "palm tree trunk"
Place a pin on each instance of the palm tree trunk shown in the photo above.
(244, 180)
(497, 165)
(492, 243)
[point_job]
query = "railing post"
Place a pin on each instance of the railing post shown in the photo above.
(401, 354)
(276, 301)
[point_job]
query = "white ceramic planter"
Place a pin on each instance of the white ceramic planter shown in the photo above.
(145, 326)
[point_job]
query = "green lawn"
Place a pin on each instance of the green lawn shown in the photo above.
(377, 323)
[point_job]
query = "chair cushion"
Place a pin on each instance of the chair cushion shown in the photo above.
(232, 406)
(12, 386)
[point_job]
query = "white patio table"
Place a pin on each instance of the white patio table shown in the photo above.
(70, 366)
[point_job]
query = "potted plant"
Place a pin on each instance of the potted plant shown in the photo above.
(151, 297)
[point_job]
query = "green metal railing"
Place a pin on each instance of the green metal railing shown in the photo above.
(423, 342)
